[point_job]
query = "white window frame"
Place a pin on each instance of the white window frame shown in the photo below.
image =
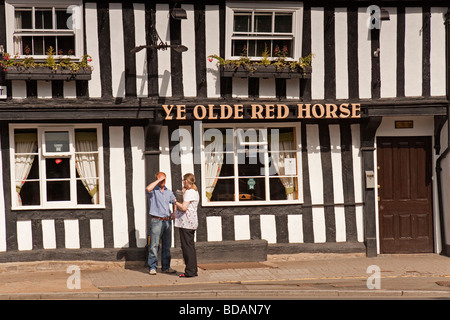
(41, 157)
(237, 202)
(296, 8)
(10, 6)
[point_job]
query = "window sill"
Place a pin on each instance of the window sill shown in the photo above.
(250, 203)
(46, 73)
(260, 71)
(80, 207)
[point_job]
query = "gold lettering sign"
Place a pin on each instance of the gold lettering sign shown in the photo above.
(264, 111)
(328, 111)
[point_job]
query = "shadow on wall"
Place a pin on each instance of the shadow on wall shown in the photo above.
(130, 252)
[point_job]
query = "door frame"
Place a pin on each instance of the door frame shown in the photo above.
(423, 126)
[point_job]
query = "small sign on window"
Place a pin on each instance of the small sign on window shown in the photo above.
(290, 166)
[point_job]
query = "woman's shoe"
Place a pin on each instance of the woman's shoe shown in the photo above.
(183, 275)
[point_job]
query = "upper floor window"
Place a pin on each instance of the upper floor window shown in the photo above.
(33, 28)
(255, 29)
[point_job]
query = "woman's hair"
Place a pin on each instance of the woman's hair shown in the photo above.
(190, 178)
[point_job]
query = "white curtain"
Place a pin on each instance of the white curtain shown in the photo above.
(25, 143)
(213, 165)
(280, 151)
(18, 39)
(86, 162)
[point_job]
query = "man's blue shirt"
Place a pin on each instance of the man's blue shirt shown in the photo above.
(159, 202)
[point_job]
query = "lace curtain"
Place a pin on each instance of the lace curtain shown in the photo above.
(86, 162)
(281, 150)
(213, 165)
(25, 146)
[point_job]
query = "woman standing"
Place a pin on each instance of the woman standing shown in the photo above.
(187, 222)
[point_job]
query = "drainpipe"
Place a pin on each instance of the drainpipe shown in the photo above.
(447, 150)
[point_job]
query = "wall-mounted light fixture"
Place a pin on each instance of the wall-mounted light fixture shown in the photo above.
(384, 15)
(161, 46)
(178, 13)
(157, 42)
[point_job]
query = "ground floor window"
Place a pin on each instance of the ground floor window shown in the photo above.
(56, 166)
(251, 164)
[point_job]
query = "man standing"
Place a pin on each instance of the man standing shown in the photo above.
(160, 198)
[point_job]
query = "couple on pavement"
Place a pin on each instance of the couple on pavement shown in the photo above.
(185, 217)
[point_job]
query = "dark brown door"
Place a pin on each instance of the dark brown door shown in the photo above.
(405, 207)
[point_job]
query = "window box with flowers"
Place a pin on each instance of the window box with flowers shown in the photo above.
(27, 68)
(261, 71)
(278, 66)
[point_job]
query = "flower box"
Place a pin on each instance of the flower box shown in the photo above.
(261, 71)
(46, 73)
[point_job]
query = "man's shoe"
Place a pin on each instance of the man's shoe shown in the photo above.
(152, 272)
(170, 270)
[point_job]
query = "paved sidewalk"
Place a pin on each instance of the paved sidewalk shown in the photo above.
(283, 276)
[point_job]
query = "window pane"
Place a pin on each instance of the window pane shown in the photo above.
(23, 19)
(66, 45)
(87, 174)
(239, 47)
(250, 162)
(85, 196)
(261, 46)
(27, 45)
(86, 163)
(43, 19)
(57, 141)
(251, 48)
(263, 22)
(285, 47)
(38, 45)
(50, 41)
(57, 168)
(242, 22)
(86, 140)
(282, 139)
(61, 19)
(224, 190)
(224, 139)
(252, 189)
(283, 23)
(30, 194)
(58, 190)
(283, 188)
(25, 140)
(283, 163)
(26, 168)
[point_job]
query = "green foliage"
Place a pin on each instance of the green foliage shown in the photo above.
(281, 61)
(265, 61)
(50, 62)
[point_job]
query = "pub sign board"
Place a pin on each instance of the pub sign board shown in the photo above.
(273, 111)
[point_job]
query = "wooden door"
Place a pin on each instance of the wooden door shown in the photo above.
(405, 194)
